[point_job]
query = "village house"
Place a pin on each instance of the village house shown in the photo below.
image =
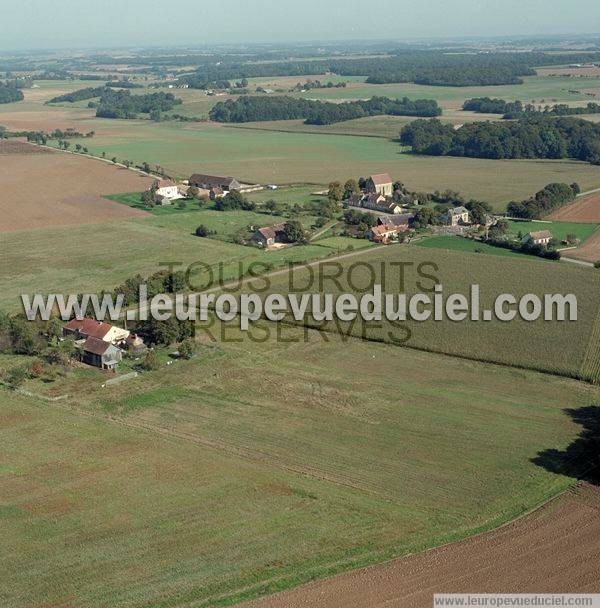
(269, 235)
(374, 202)
(81, 329)
(457, 216)
(399, 220)
(165, 191)
(99, 353)
(542, 237)
(212, 182)
(384, 233)
(380, 183)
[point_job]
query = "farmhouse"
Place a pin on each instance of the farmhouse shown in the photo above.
(210, 182)
(542, 237)
(99, 353)
(380, 183)
(400, 219)
(385, 232)
(90, 328)
(374, 202)
(165, 191)
(457, 216)
(268, 236)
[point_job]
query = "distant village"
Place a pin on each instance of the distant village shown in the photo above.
(393, 211)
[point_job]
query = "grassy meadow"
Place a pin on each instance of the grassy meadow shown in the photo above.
(559, 230)
(139, 494)
(261, 156)
(64, 260)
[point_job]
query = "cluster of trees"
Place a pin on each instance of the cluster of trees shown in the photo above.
(293, 232)
(123, 84)
(544, 202)
(530, 137)
(317, 84)
(10, 93)
(203, 231)
(79, 95)
(162, 281)
(164, 333)
(118, 103)
(516, 109)
(253, 108)
(359, 220)
(234, 201)
(122, 104)
(37, 339)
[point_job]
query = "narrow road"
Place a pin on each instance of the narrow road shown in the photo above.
(578, 262)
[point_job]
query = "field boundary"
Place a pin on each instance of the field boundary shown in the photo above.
(590, 368)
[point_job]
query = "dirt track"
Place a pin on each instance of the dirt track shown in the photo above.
(556, 549)
(42, 188)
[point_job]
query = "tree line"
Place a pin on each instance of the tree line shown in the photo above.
(544, 202)
(282, 107)
(516, 109)
(429, 67)
(528, 137)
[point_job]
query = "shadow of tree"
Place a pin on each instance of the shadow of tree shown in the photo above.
(581, 459)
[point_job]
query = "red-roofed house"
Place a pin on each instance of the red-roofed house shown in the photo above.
(269, 235)
(90, 328)
(385, 232)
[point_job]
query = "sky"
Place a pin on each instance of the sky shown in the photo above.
(43, 24)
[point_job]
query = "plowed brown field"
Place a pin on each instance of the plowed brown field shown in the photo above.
(556, 549)
(585, 209)
(588, 252)
(42, 188)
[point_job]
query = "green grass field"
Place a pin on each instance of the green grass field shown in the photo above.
(275, 157)
(57, 260)
(255, 467)
(558, 347)
(559, 230)
(455, 243)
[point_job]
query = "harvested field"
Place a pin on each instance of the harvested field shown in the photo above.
(588, 252)
(585, 209)
(553, 550)
(12, 146)
(58, 189)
